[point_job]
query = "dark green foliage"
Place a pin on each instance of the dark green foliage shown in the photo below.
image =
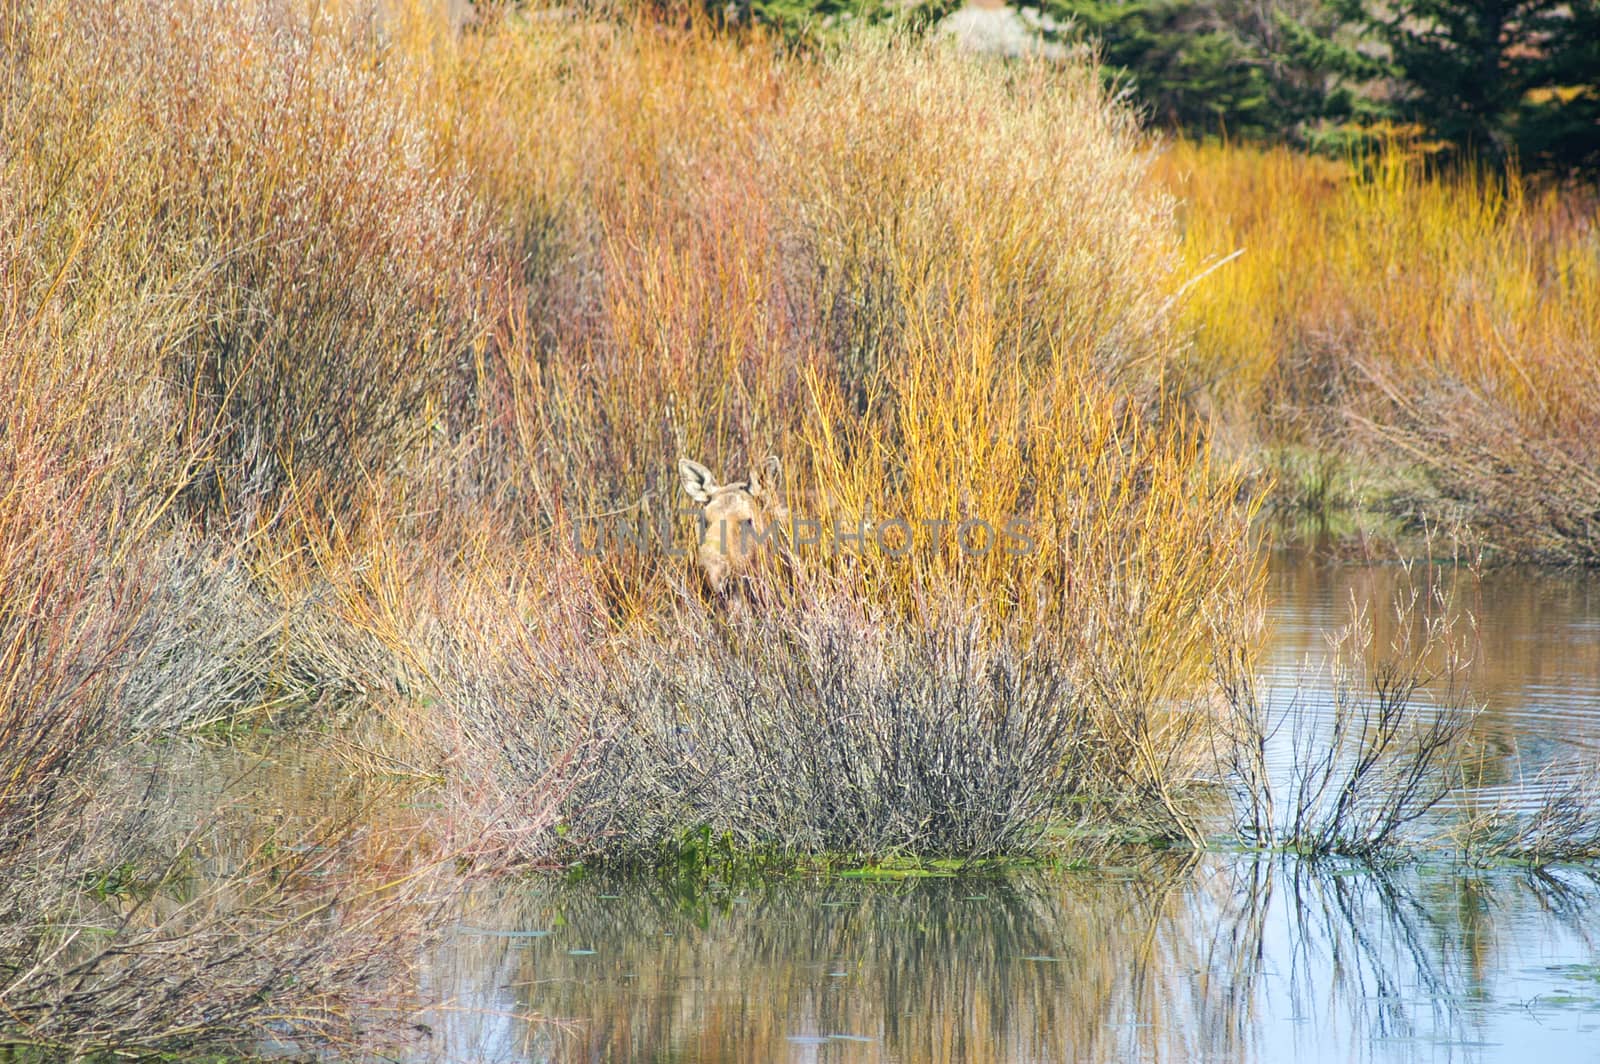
(1558, 125)
(1496, 79)
(1252, 71)
(808, 21)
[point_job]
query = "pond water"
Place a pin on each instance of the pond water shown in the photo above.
(1222, 957)
(1531, 644)
(1218, 959)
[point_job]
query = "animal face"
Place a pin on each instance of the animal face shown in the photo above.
(741, 518)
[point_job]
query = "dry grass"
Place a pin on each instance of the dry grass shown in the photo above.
(1446, 321)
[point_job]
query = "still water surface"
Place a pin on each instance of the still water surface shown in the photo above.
(1530, 641)
(1222, 957)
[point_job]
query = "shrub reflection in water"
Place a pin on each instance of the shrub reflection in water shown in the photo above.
(1223, 958)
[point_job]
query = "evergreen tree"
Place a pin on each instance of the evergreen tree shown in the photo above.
(1558, 119)
(809, 21)
(1496, 78)
(1253, 70)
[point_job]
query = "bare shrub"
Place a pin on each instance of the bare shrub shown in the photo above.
(1556, 823)
(116, 941)
(216, 650)
(1530, 490)
(1362, 770)
(803, 730)
(843, 741)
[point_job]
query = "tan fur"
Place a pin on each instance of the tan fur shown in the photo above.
(741, 519)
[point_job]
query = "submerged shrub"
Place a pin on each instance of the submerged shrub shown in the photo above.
(1362, 774)
(1528, 490)
(123, 938)
(809, 729)
(932, 743)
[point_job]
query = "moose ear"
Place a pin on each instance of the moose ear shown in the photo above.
(697, 480)
(767, 477)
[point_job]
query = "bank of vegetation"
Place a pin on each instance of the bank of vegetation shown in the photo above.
(323, 328)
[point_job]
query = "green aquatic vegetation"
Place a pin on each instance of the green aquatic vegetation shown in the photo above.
(131, 879)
